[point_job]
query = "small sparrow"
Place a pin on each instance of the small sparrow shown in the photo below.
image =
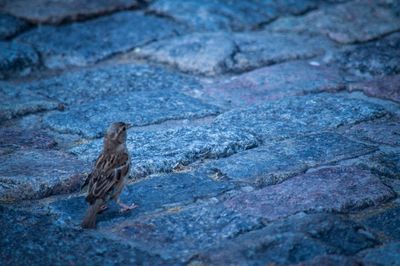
(107, 179)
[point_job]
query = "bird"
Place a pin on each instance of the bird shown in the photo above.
(107, 178)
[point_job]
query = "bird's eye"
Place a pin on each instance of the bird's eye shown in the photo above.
(123, 128)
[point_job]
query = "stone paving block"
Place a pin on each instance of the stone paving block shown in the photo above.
(379, 58)
(162, 151)
(34, 174)
(296, 239)
(215, 53)
(219, 15)
(352, 22)
(385, 88)
(274, 82)
(16, 102)
(385, 222)
(277, 161)
(330, 260)
(14, 137)
(33, 239)
(338, 189)
(44, 11)
(300, 115)
(85, 43)
(160, 192)
(384, 164)
(81, 86)
(180, 234)
(10, 26)
(388, 254)
(17, 59)
(138, 108)
(386, 131)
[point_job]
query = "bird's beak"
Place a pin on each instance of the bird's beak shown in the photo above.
(128, 125)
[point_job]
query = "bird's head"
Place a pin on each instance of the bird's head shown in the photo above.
(116, 134)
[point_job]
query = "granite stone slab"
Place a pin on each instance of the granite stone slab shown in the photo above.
(339, 189)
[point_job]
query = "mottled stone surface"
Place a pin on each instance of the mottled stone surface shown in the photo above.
(215, 53)
(12, 138)
(187, 230)
(50, 244)
(299, 115)
(45, 11)
(10, 26)
(17, 59)
(378, 58)
(161, 151)
(385, 255)
(81, 86)
(87, 42)
(280, 160)
(386, 131)
(385, 88)
(159, 192)
(331, 189)
(297, 239)
(385, 163)
(385, 223)
(15, 102)
(330, 260)
(138, 108)
(33, 174)
(355, 21)
(274, 82)
(228, 15)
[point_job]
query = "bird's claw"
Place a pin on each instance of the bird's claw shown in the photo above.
(125, 208)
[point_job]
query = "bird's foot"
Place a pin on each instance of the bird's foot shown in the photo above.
(125, 207)
(102, 208)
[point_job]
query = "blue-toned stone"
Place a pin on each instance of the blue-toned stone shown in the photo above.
(10, 26)
(216, 53)
(223, 15)
(85, 43)
(339, 189)
(81, 86)
(277, 161)
(34, 174)
(272, 83)
(182, 232)
(352, 22)
(44, 11)
(137, 108)
(159, 192)
(300, 115)
(17, 59)
(15, 102)
(385, 222)
(296, 239)
(164, 150)
(388, 254)
(29, 238)
(379, 58)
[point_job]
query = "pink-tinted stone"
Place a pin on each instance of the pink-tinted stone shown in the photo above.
(386, 88)
(55, 11)
(33, 174)
(331, 189)
(355, 21)
(275, 82)
(25, 138)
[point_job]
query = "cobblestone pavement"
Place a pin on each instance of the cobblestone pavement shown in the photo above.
(264, 132)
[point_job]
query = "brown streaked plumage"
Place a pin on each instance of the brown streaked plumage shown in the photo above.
(107, 179)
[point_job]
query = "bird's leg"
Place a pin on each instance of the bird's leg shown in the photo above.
(103, 208)
(125, 207)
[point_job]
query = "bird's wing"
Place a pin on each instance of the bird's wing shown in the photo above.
(110, 169)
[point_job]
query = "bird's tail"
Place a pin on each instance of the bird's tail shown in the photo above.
(90, 219)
